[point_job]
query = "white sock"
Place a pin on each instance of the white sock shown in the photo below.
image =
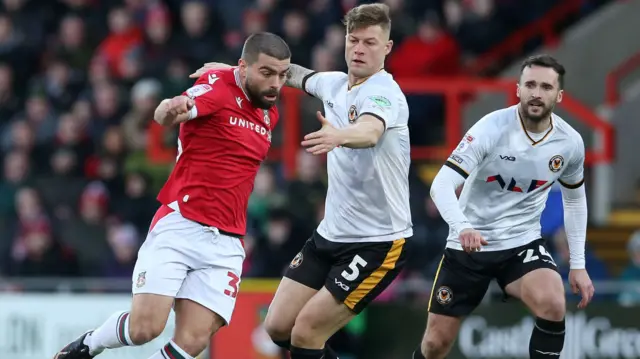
(114, 333)
(171, 351)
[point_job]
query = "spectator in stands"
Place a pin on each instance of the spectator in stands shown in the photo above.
(34, 251)
(16, 174)
(124, 243)
(9, 102)
(431, 51)
(630, 296)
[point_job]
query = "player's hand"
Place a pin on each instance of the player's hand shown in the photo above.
(323, 140)
(208, 66)
(471, 240)
(581, 283)
(179, 105)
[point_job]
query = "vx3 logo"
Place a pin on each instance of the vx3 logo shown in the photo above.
(507, 158)
(513, 186)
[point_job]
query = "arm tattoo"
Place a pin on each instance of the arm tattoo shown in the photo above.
(296, 76)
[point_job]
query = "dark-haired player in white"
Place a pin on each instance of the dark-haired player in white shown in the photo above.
(508, 161)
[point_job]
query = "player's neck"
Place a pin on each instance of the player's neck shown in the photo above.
(355, 81)
(534, 126)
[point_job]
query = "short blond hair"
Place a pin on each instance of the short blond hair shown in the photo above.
(368, 15)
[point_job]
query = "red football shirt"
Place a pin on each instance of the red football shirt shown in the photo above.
(219, 153)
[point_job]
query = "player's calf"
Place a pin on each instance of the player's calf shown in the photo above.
(542, 292)
(145, 322)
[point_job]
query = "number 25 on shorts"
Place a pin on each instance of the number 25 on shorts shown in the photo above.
(529, 255)
(355, 265)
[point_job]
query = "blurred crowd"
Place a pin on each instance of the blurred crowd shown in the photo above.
(82, 161)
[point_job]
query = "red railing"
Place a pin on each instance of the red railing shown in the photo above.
(615, 77)
(454, 91)
(544, 27)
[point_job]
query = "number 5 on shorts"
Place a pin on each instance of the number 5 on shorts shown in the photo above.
(354, 266)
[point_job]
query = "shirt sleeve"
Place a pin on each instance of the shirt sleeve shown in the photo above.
(318, 84)
(378, 103)
(206, 93)
(573, 175)
(474, 147)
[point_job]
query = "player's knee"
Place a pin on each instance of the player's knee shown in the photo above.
(435, 345)
(304, 334)
(144, 329)
(546, 303)
(276, 329)
(193, 342)
(550, 306)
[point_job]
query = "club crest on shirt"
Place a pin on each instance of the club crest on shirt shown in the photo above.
(266, 118)
(142, 279)
(353, 114)
(444, 295)
(556, 163)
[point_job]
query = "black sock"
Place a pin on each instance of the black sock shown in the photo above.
(301, 353)
(285, 344)
(417, 354)
(547, 339)
(329, 353)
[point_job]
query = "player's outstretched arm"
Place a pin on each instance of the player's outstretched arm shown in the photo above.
(174, 111)
(296, 77)
(364, 133)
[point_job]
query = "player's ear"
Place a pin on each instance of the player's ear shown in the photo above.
(560, 95)
(518, 90)
(388, 47)
(242, 66)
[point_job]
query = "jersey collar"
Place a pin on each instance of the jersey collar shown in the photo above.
(236, 74)
(526, 133)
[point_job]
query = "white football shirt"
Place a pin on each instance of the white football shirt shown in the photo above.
(509, 172)
(368, 194)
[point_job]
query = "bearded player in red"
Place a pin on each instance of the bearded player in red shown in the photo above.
(192, 257)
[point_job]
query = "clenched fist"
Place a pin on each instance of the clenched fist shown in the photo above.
(471, 240)
(179, 105)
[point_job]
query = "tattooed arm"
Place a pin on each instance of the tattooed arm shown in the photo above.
(298, 75)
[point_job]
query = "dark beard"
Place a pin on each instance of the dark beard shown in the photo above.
(544, 114)
(257, 98)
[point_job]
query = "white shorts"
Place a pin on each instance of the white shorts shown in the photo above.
(184, 259)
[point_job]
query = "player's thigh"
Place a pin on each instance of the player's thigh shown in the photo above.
(195, 324)
(287, 303)
(440, 334)
(158, 275)
(531, 275)
(303, 278)
(215, 283)
(460, 284)
(321, 317)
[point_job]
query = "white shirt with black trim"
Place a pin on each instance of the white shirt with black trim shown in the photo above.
(509, 172)
(368, 195)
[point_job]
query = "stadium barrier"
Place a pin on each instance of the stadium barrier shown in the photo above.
(33, 325)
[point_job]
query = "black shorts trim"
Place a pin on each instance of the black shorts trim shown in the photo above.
(354, 273)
